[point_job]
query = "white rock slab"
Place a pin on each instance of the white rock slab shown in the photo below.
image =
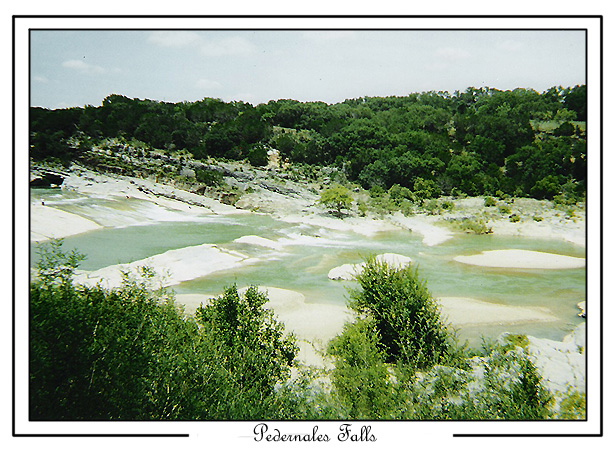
(522, 259)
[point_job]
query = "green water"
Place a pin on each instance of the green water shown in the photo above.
(137, 230)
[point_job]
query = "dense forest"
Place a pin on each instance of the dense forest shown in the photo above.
(477, 142)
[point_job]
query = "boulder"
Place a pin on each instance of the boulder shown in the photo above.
(345, 272)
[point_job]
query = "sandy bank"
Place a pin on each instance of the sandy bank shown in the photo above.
(522, 259)
(470, 312)
(51, 223)
(314, 324)
(173, 266)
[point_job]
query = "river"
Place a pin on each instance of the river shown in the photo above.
(136, 229)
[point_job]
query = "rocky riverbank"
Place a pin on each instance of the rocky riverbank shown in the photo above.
(268, 191)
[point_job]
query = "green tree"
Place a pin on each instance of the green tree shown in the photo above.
(337, 197)
(405, 314)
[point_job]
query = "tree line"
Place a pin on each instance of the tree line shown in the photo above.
(477, 142)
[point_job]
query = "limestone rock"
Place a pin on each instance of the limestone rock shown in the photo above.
(347, 272)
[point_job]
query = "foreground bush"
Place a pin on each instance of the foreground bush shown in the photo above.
(360, 377)
(405, 314)
(130, 353)
(399, 360)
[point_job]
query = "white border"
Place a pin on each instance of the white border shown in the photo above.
(225, 433)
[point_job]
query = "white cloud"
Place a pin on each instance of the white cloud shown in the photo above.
(174, 39)
(452, 53)
(234, 45)
(82, 66)
(204, 83)
(40, 79)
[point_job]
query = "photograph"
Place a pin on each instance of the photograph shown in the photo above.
(314, 230)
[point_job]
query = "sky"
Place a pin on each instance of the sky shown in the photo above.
(81, 67)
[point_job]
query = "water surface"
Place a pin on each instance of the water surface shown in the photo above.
(136, 229)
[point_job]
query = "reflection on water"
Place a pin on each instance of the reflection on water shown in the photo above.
(138, 229)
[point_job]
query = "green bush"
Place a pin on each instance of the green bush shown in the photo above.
(399, 194)
(131, 354)
(573, 407)
(424, 189)
(382, 205)
(431, 206)
(360, 377)
(521, 396)
(251, 351)
(257, 155)
(489, 201)
(504, 209)
(447, 205)
(476, 226)
(362, 208)
(509, 389)
(209, 177)
(547, 187)
(405, 314)
(514, 218)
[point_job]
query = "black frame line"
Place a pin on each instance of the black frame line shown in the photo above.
(457, 17)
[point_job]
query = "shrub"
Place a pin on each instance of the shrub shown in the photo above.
(424, 189)
(405, 314)
(570, 213)
(399, 194)
(362, 208)
(257, 155)
(431, 206)
(510, 389)
(209, 177)
(131, 354)
(520, 396)
(520, 340)
(573, 407)
(360, 376)
(489, 201)
(547, 187)
(504, 209)
(447, 205)
(252, 353)
(382, 205)
(476, 226)
(514, 218)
